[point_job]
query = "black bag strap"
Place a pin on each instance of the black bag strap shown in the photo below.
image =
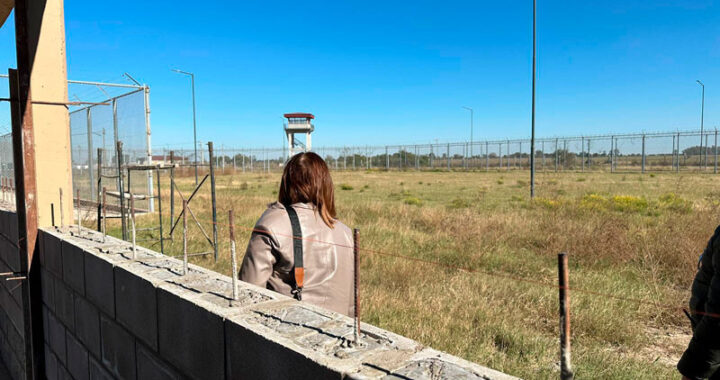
(298, 269)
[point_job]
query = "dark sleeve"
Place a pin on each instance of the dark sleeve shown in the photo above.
(702, 357)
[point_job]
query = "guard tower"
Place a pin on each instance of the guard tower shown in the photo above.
(298, 122)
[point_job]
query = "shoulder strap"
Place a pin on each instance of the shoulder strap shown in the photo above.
(299, 270)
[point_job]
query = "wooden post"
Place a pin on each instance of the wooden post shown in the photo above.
(565, 366)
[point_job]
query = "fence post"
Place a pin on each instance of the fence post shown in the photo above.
(172, 188)
(99, 183)
(677, 166)
(214, 203)
(643, 154)
(487, 156)
(93, 190)
(715, 152)
(582, 152)
(612, 154)
(121, 189)
(589, 156)
(565, 366)
(507, 156)
(557, 155)
(448, 157)
(387, 159)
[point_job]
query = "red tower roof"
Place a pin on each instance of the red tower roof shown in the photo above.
(299, 115)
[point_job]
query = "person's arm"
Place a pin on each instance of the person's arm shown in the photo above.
(257, 266)
(702, 357)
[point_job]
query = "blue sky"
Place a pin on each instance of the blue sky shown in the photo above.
(399, 71)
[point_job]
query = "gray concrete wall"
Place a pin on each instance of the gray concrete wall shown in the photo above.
(12, 327)
(107, 316)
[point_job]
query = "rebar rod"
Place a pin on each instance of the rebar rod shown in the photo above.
(104, 213)
(356, 273)
(185, 242)
(132, 222)
(233, 256)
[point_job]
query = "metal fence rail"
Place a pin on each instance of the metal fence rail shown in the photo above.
(641, 152)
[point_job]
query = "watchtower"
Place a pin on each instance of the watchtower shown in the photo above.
(298, 122)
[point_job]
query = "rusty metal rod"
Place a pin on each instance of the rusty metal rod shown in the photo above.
(99, 190)
(356, 272)
(121, 189)
(185, 247)
(62, 212)
(233, 256)
(566, 372)
(172, 188)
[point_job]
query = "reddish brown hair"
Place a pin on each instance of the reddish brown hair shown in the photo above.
(306, 179)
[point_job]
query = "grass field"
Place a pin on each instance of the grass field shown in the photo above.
(631, 235)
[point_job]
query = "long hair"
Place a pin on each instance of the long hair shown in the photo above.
(306, 179)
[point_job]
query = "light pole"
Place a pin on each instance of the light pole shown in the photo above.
(471, 129)
(532, 134)
(702, 120)
(192, 81)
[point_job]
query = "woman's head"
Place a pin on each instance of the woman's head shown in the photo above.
(306, 179)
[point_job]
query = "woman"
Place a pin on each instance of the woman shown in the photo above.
(298, 248)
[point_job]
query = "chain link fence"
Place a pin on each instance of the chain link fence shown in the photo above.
(657, 152)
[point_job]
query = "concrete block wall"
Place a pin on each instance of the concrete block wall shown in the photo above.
(107, 316)
(12, 327)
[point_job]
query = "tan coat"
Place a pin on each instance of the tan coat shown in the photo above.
(269, 257)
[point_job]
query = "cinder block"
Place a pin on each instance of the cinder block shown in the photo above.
(136, 305)
(97, 372)
(118, 349)
(250, 352)
(64, 304)
(100, 284)
(56, 333)
(77, 355)
(52, 255)
(47, 281)
(87, 325)
(150, 366)
(50, 364)
(73, 266)
(191, 337)
(13, 310)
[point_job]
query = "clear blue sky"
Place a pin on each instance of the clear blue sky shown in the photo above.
(399, 72)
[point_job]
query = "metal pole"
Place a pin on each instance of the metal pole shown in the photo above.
(99, 183)
(387, 159)
(487, 156)
(93, 190)
(448, 156)
(566, 372)
(185, 247)
(532, 136)
(214, 201)
(233, 256)
(582, 152)
(172, 188)
(148, 135)
(702, 120)
(542, 148)
(715, 152)
(104, 213)
(160, 212)
(121, 188)
(132, 220)
(356, 271)
(62, 213)
(643, 154)
(677, 168)
(79, 222)
(557, 158)
(612, 154)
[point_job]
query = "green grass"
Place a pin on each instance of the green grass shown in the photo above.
(632, 236)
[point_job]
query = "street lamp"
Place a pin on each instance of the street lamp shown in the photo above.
(702, 119)
(192, 81)
(471, 129)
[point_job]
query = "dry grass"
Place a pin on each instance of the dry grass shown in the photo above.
(629, 235)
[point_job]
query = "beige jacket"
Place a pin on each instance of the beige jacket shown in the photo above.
(269, 257)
